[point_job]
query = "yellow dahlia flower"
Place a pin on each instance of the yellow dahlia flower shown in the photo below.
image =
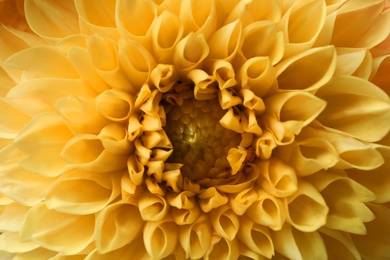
(194, 129)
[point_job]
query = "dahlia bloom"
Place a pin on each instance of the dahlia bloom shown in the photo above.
(190, 129)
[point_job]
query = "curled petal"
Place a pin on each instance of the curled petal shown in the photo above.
(185, 210)
(347, 209)
(225, 222)
(135, 61)
(310, 155)
(226, 41)
(52, 19)
(117, 225)
(289, 72)
(292, 118)
(223, 249)
(166, 33)
(258, 75)
(80, 59)
(236, 158)
(164, 77)
(114, 139)
(279, 179)
(134, 128)
(231, 121)
(302, 30)
(114, 105)
(265, 144)
(196, 238)
(96, 193)
(359, 108)
(103, 54)
(80, 115)
(256, 237)
(295, 244)
(190, 53)
(199, 17)
(228, 98)
(88, 153)
(261, 39)
(268, 211)
(43, 226)
(210, 199)
(371, 20)
(152, 207)
(258, 10)
(241, 201)
(136, 169)
(306, 209)
(354, 62)
(55, 65)
(160, 238)
(252, 101)
(250, 123)
(135, 249)
(43, 139)
(224, 73)
(134, 19)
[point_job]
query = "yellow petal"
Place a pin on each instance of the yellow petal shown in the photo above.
(226, 41)
(339, 245)
(241, 201)
(289, 72)
(295, 244)
(116, 226)
(225, 222)
(52, 19)
(267, 211)
(152, 207)
(306, 209)
(43, 226)
(12, 217)
(196, 238)
(160, 238)
(256, 237)
(115, 105)
(9, 242)
(359, 108)
(223, 249)
(97, 191)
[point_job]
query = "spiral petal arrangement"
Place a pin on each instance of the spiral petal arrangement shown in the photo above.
(189, 129)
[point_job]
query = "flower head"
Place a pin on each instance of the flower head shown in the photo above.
(194, 129)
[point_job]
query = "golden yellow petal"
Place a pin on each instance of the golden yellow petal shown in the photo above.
(198, 16)
(339, 245)
(267, 211)
(134, 19)
(117, 225)
(96, 193)
(196, 238)
(295, 244)
(256, 237)
(306, 209)
(115, 105)
(225, 42)
(135, 61)
(277, 178)
(12, 119)
(76, 231)
(152, 207)
(210, 199)
(160, 238)
(225, 222)
(352, 61)
(258, 75)
(289, 72)
(300, 29)
(223, 249)
(12, 217)
(9, 242)
(166, 32)
(359, 108)
(52, 19)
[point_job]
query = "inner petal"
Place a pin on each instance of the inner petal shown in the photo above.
(199, 141)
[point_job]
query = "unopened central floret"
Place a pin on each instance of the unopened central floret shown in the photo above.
(199, 141)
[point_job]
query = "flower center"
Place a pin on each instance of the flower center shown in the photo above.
(199, 141)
